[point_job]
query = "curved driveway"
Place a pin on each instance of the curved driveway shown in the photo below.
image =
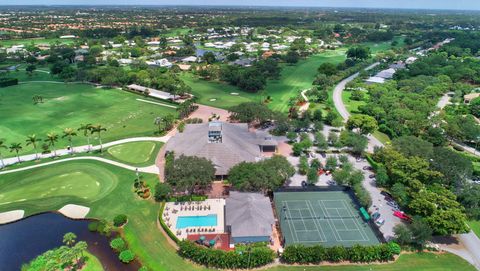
(342, 110)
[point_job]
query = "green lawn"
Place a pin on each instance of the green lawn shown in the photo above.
(351, 105)
(217, 94)
(296, 78)
(407, 262)
(7, 43)
(293, 79)
(38, 75)
(141, 153)
(68, 106)
(93, 264)
(475, 226)
(142, 232)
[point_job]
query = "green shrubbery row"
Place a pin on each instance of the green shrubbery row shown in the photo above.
(5, 82)
(251, 258)
(300, 254)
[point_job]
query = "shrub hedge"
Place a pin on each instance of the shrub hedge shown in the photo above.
(5, 82)
(299, 254)
(215, 258)
(119, 220)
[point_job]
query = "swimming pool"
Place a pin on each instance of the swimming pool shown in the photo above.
(196, 221)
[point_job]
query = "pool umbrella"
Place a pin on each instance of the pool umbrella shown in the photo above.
(202, 238)
(212, 243)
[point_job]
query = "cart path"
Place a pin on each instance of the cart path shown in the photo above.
(81, 149)
(150, 169)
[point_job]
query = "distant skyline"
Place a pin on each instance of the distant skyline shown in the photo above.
(407, 4)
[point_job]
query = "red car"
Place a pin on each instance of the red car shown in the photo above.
(402, 215)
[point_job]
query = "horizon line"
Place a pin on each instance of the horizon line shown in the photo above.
(236, 5)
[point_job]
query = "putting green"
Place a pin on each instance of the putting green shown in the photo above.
(68, 106)
(51, 185)
(135, 153)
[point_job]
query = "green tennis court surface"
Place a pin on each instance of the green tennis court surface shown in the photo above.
(327, 218)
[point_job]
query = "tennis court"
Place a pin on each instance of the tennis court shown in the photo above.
(328, 218)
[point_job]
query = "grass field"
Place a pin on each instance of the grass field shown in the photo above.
(293, 79)
(68, 106)
(141, 153)
(406, 262)
(298, 77)
(7, 43)
(141, 232)
(93, 264)
(475, 226)
(206, 91)
(351, 105)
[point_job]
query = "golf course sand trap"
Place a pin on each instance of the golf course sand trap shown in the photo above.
(74, 211)
(10, 216)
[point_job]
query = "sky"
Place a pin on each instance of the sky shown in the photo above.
(411, 4)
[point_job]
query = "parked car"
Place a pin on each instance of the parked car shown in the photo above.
(402, 216)
(385, 193)
(371, 176)
(367, 168)
(380, 222)
(304, 184)
(375, 216)
(394, 205)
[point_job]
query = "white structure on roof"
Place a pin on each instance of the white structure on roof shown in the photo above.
(375, 80)
(68, 37)
(386, 74)
(151, 92)
(411, 60)
(160, 63)
(190, 59)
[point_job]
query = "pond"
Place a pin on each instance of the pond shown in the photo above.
(22, 241)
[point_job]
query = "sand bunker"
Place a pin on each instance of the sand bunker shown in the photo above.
(10, 216)
(74, 211)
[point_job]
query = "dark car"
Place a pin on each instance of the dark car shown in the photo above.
(371, 176)
(375, 216)
(304, 184)
(386, 194)
(367, 168)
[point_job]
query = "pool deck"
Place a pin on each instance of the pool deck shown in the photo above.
(195, 208)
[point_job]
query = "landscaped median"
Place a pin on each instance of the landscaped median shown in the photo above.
(299, 254)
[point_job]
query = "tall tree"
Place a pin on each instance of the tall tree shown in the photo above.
(16, 147)
(69, 239)
(86, 129)
(188, 172)
(52, 138)
(33, 140)
(98, 129)
(69, 133)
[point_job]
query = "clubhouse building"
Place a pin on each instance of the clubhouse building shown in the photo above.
(225, 144)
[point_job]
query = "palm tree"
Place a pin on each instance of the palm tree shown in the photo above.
(159, 122)
(69, 133)
(51, 139)
(98, 129)
(2, 146)
(33, 140)
(86, 128)
(16, 147)
(69, 239)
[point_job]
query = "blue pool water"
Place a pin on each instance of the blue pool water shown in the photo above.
(196, 221)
